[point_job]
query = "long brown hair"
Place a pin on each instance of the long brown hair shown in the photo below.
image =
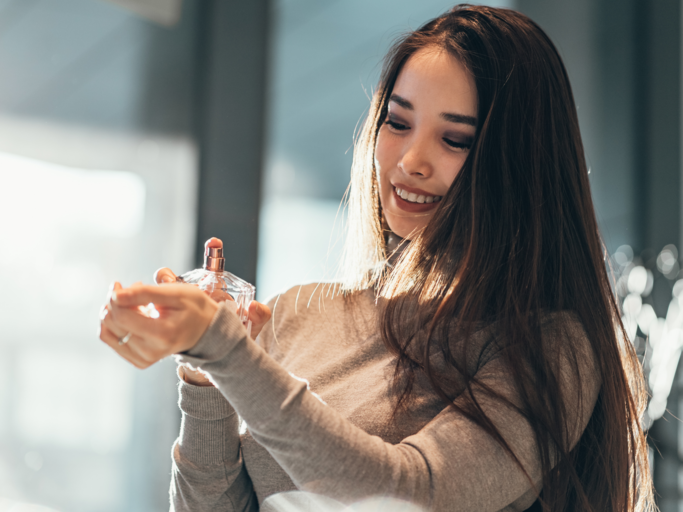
(514, 238)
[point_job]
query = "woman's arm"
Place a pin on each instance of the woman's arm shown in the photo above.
(208, 471)
(451, 464)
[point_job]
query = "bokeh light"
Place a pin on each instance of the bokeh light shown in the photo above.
(656, 335)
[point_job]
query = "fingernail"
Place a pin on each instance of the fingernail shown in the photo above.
(113, 296)
(103, 312)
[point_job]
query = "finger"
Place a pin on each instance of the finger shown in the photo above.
(132, 320)
(115, 286)
(157, 339)
(136, 352)
(219, 295)
(124, 350)
(138, 349)
(136, 345)
(110, 324)
(194, 377)
(166, 296)
(164, 275)
(259, 314)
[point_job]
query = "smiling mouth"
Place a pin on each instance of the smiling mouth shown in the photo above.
(411, 197)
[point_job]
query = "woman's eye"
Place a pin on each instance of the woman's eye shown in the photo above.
(463, 146)
(396, 125)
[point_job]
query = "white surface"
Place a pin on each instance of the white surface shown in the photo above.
(69, 228)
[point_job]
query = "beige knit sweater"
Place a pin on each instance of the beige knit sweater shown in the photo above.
(315, 392)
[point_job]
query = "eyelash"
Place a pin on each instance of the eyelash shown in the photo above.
(396, 126)
(402, 127)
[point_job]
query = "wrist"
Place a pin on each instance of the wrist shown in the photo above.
(191, 377)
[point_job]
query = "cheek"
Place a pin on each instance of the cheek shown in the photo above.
(450, 169)
(385, 154)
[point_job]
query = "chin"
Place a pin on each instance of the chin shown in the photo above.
(404, 229)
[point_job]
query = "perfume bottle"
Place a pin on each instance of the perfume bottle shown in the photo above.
(222, 286)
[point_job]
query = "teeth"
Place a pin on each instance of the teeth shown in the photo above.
(414, 198)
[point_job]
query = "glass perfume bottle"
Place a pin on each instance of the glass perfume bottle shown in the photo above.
(222, 286)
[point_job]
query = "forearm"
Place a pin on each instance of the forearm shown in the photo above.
(450, 464)
(208, 471)
(319, 449)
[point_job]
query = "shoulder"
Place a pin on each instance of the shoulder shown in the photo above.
(300, 291)
(558, 342)
(562, 325)
(573, 361)
(557, 330)
(314, 307)
(558, 366)
(304, 299)
(564, 336)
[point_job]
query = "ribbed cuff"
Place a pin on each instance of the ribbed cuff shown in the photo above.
(203, 402)
(209, 442)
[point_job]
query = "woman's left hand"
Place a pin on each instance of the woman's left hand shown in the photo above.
(185, 313)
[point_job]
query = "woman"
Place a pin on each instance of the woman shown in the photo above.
(472, 358)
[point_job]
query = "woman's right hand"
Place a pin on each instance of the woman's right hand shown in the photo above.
(259, 314)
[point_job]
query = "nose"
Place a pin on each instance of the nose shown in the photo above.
(416, 160)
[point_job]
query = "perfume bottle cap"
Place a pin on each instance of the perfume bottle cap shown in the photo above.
(213, 259)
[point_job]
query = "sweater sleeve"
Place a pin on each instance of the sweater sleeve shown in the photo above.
(208, 472)
(450, 464)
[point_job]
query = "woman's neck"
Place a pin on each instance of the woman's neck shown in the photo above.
(395, 247)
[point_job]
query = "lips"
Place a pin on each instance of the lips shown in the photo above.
(413, 193)
(412, 197)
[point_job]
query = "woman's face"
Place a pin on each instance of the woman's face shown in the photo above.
(425, 138)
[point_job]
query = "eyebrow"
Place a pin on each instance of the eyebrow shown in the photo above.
(452, 118)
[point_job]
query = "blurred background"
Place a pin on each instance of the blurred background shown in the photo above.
(133, 130)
